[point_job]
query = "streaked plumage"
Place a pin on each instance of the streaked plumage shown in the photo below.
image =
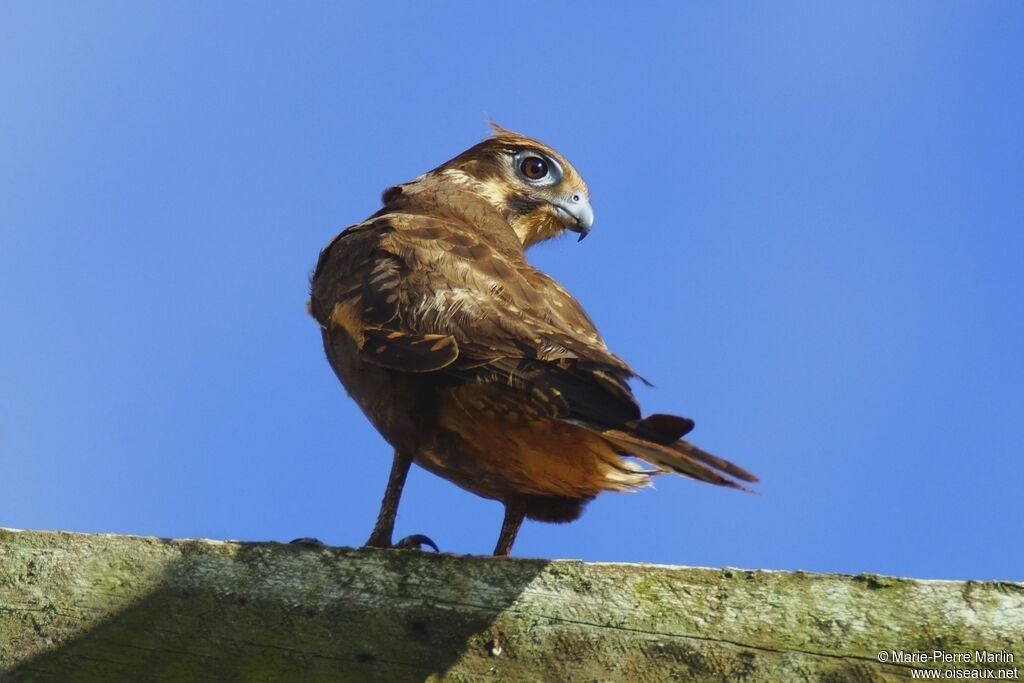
(477, 366)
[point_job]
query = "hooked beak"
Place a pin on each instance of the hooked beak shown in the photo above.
(575, 214)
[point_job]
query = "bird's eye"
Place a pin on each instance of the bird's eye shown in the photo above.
(534, 168)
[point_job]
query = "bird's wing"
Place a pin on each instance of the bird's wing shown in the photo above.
(424, 294)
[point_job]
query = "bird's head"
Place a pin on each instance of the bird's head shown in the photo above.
(536, 188)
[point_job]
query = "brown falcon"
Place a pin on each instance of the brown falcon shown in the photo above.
(474, 364)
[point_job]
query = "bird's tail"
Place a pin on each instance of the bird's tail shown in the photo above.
(656, 440)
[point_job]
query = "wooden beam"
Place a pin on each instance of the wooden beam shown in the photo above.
(114, 608)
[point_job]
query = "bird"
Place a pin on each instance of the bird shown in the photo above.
(479, 367)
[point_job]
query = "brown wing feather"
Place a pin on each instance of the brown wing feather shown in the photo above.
(409, 352)
(424, 277)
(456, 283)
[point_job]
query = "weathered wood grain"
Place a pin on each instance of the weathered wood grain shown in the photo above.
(110, 608)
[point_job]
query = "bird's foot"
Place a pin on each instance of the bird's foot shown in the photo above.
(414, 542)
(417, 541)
(308, 540)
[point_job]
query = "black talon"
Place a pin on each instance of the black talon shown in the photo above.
(416, 541)
(307, 540)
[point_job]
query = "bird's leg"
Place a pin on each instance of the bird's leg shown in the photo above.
(385, 527)
(514, 515)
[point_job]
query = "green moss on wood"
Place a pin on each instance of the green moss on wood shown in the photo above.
(126, 608)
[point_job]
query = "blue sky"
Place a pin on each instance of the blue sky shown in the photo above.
(809, 236)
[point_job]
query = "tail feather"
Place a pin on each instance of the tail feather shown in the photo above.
(665, 429)
(680, 456)
(688, 449)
